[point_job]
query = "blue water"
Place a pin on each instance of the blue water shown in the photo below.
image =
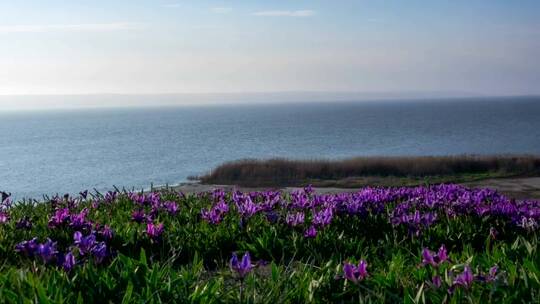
(68, 151)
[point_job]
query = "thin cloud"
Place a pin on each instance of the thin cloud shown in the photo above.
(299, 13)
(221, 10)
(90, 27)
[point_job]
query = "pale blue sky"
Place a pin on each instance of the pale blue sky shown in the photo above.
(142, 46)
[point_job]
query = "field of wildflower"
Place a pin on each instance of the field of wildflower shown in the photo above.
(428, 244)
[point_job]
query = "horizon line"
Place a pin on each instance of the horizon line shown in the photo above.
(272, 92)
(209, 103)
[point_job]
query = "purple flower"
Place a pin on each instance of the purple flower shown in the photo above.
(311, 232)
(171, 207)
(216, 213)
(272, 216)
(107, 233)
(211, 216)
(490, 277)
(24, 223)
(100, 252)
(246, 207)
(4, 217)
(427, 257)
(28, 248)
(110, 196)
(137, 198)
(295, 219)
(138, 216)
(78, 221)
(323, 217)
(47, 251)
(430, 258)
(465, 279)
(442, 255)
(492, 273)
(355, 273)
(154, 231)
(308, 189)
(61, 216)
(69, 262)
(85, 243)
(436, 281)
(243, 267)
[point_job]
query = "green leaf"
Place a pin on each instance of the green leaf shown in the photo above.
(142, 258)
(128, 294)
(275, 272)
(419, 294)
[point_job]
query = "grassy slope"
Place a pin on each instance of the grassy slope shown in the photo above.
(190, 263)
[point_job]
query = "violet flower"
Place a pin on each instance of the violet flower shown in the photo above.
(84, 243)
(216, 213)
(47, 251)
(99, 251)
(295, 219)
(110, 196)
(107, 233)
(138, 216)
(272, 216)
(24, 223)
(492, 275)
(79, 221)
(430, 258)
(61, 216)
(171, 207)
(69, 262)
(246, 208)
(308, 189)
(311, 232)
(355, 273)
(243, 267)
(28, 248)
(154, 231)
(4, 217)
(436, 281)
(323, 218)
(465, 279)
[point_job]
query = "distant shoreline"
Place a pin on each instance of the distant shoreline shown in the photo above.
(518, 175)
(515, 187)
(369, 170)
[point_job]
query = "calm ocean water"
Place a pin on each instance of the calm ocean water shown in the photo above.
(68, 151)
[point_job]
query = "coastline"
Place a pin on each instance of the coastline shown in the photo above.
(515, 187)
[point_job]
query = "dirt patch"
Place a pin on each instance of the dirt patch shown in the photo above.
(519, 188)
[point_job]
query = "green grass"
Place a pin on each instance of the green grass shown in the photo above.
(190, 263)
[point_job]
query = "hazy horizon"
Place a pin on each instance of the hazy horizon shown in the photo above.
(436, 49)
(104, 101)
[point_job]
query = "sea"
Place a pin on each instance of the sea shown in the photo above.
(67, 151)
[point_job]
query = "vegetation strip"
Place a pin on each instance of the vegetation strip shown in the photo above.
(362, 171)
(443, 243)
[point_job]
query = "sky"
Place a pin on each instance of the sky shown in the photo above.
(485, 47)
